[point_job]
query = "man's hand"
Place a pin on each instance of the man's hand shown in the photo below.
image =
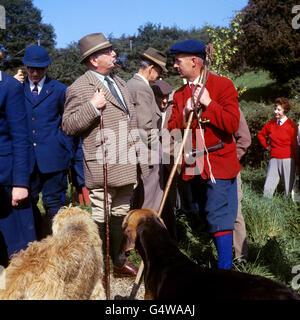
(98, 100)
(205, 97)
(18, 194)
(19, 76)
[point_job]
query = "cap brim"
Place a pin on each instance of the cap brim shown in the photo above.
(155, 61)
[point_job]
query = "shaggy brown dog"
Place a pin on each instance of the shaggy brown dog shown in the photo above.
(65, 265)
(170, 275)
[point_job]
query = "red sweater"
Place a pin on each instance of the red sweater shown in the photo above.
(282, 139)
(223, 113)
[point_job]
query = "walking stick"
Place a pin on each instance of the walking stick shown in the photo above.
(106, 208)
(203, 80)
(72, 187)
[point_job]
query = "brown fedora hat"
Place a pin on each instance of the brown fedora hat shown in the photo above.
(157, 57)
(92, 43)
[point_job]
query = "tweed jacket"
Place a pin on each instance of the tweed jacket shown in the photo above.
(147, 112)
(80, 118)
(50, 147)
(223, 116)
(242, 137)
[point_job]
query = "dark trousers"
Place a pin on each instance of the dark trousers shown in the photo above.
(16, 225)
(218, 201)
(52, 185)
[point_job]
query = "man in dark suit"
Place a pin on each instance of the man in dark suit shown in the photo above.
(51, 150)
(16, 218)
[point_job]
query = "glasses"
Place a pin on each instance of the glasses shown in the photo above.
(105, 51)
(37, 69)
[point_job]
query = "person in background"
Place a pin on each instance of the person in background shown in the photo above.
(149, 192)
(76, 175)
(51, 150)
(243, 140)
(162, 91)
(279, 137)
(16, 216)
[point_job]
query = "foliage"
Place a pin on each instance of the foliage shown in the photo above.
(161, 38)
(65, 66)
(269, 42)
(19, 33)
(221, 39)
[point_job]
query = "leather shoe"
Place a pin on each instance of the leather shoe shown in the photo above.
(127, 271)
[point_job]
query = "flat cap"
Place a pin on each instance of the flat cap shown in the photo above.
(161, 88)
(194, 47)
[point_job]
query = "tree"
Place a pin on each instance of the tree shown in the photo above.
(65, 66)
(223, 51)
(158, 37)
(24, 27)
(269, 41)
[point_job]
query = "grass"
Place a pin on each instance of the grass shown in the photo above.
(273, 232)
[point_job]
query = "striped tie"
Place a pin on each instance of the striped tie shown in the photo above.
(35, 92)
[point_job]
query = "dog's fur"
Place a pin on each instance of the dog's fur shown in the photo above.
(169, 274)
(65, 265)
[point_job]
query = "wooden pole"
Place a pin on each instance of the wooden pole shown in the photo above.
(106, 209)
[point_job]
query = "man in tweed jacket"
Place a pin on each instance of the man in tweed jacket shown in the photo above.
(149, 192)
(85, 98)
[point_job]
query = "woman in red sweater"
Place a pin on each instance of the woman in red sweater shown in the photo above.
(279, 136)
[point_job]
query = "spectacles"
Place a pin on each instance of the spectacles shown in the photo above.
(37, 69)
(106, 51)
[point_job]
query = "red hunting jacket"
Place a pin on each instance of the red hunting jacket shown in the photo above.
(224, 116)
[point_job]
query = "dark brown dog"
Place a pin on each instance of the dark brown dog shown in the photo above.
(170, 275)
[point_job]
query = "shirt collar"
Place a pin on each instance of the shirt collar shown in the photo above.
(39, 85)
(283, 120)
(194, 82)
(143, 78)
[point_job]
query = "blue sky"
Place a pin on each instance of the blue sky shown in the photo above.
(73, 19)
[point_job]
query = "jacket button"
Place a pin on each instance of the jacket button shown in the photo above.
(33, 118)
(34, 144)
(33, 131)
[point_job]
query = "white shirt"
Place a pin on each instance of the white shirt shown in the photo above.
(283, 120)
(39, 85)
(143, 78)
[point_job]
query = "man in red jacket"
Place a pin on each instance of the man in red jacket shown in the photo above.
(213, 175)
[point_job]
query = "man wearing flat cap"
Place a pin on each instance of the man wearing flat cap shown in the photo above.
(50, 148)
(149, 191)
(100, 93)
(212, 174)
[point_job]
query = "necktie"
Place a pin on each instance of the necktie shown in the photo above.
(35, 92)
(279, 122)
(115, 94)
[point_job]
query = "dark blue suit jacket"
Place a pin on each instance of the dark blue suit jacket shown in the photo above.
(16, 223)
(14, 142)
(51, 148)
